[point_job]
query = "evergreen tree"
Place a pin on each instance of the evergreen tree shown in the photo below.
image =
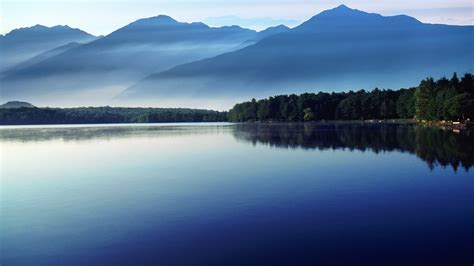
(425, 107)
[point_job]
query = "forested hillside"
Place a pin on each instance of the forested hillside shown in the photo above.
(93, 115)
(444, 99)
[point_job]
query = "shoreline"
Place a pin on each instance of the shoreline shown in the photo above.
(448, 125)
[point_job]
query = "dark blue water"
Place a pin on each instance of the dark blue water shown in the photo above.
(326, 194)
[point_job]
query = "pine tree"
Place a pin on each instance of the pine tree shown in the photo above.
(425, 108)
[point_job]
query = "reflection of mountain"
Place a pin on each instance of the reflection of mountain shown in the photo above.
(435, 146)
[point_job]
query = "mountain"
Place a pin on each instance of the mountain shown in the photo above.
(24, 43)
(338, 49)
(41, 57)
(263, 34)
(16, 104)
(272, 31)
(102, 68)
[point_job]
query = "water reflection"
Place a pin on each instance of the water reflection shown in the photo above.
(203, 195)
(104, 132)
(435, 146)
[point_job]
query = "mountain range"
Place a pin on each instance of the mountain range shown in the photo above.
(338, 49)
(160, 61)
(24, 43)
(106, 66)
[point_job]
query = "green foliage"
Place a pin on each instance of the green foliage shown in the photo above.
(445, 99)
(378, 104)
(405, 105)
(431, 100)
(94, 115)
(424, 99)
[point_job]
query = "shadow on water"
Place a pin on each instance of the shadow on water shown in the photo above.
(435, 146)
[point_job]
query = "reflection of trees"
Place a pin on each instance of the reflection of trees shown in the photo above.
(439, 147)
(435, 146)
(93, 132)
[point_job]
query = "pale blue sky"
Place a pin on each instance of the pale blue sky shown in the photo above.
(104, 16)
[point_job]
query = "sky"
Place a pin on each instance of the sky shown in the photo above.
(100, 17)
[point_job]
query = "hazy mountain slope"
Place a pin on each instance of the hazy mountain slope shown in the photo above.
(41, 57)
(340, 48)
(271, 31)
(24, 43)
(263, 34)
(104, 67)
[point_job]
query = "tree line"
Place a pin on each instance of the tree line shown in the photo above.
(94, 115)
(444, 99)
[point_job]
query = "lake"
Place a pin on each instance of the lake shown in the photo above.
(236, 194)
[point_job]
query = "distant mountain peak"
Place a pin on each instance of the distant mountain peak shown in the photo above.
(26, 29)
(232, 27)
(42, 27)
(61, 27)
(17, 104)
(343, 7)
(160, 20)
(281, 26)
(343, 10)
(273, 30)
(41, 30)
(37, 26)
(164, 19)
(343, 15)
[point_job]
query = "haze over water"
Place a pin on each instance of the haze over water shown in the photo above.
(236, 194)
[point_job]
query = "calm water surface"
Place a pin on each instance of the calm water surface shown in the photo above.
(221, 194)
